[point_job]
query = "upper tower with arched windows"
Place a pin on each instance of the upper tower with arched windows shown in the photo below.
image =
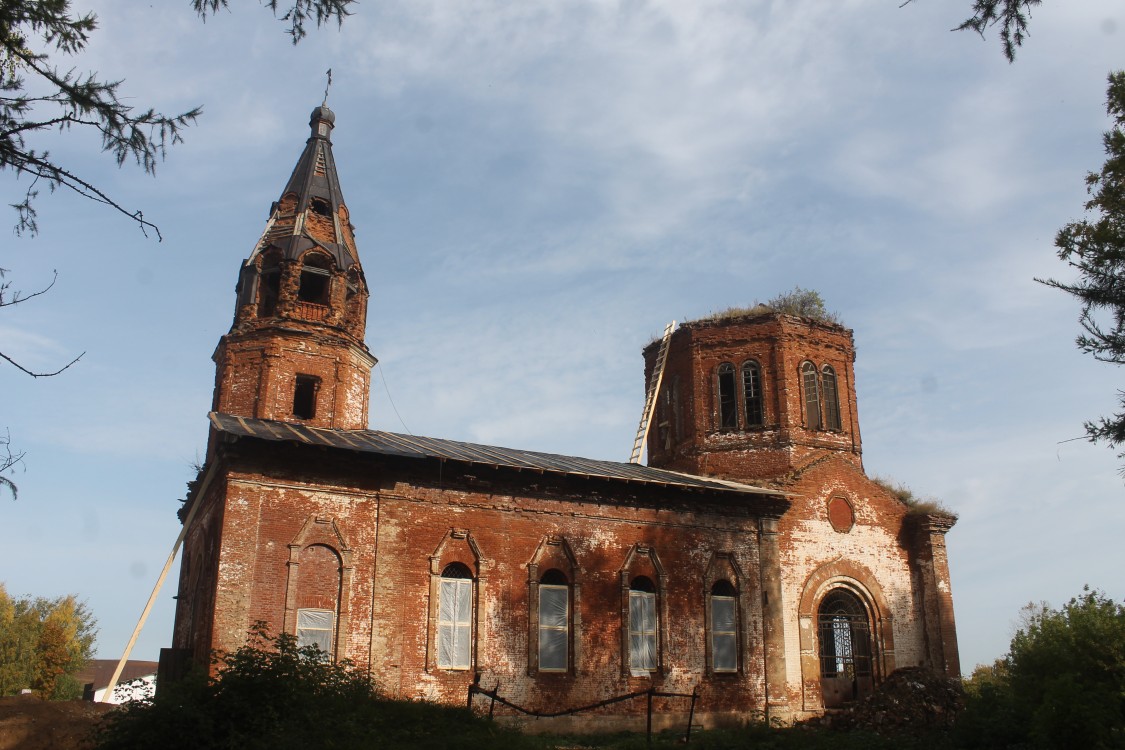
(754, 396)
(295, 351)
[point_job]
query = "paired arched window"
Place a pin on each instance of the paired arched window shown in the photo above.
(821, 396)
(455, 617)
(644, 632)
(752, 394)
(728, 399)
(727, 385)
(831, 398)
(554, 622)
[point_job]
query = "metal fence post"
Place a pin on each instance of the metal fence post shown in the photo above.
(648, 728)
(691, 714)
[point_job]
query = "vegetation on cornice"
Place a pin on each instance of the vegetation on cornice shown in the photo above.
(916, 505)
(804, 303)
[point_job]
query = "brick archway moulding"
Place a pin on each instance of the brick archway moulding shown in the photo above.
(322, 531)
(851, 575)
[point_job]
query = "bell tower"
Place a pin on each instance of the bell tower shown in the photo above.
(295, 351)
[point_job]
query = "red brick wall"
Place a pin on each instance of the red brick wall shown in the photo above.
(400, 528)
(780, 344)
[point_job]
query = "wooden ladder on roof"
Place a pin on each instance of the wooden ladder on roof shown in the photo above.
(650, 395)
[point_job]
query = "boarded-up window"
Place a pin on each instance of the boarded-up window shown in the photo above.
(643, 633)
(752, 394)
(724, 627)
(811, 384)
(315, 628)
(728, 401)
(455, 617)
(554, 622)
(831, 398)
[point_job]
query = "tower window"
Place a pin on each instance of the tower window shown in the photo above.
(314, 286)
(304, 396)
(316, 278)
(320, 206)
(752, 392)
(831, 398)
(269, 286)
(811, 384)
(728, 402)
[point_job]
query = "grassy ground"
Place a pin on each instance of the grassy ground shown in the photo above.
(754, 737)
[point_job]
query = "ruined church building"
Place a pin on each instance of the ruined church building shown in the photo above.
(752, 561)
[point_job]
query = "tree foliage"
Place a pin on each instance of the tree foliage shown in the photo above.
(1095, 248)
(38, 94)
(1061, 685)
(43, 642)
(297, 14)
(272, 694)
(1012, 16)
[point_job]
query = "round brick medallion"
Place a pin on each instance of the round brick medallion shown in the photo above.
(841, 515)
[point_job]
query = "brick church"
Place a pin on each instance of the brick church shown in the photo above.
(752, 561)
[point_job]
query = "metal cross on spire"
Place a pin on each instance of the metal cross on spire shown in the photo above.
(325, 102)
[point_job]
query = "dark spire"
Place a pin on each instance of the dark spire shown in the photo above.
(308, 213)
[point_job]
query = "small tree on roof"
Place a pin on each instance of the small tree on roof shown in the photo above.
(807, 303)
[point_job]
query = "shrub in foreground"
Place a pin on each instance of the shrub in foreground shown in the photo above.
(272, 694)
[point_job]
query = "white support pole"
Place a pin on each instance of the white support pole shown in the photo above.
(199, 496)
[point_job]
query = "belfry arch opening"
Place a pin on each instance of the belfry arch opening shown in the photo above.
(844, 634)
(269, 285)
(316, 278)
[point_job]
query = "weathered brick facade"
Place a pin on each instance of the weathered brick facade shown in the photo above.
(752, 562)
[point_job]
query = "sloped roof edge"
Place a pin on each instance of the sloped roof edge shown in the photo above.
(416, 446)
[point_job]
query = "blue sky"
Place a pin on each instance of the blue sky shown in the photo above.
(537, 189)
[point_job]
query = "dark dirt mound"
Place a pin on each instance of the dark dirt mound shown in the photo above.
(912, 699)
(29, 723)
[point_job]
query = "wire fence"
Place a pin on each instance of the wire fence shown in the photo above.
(495, 697)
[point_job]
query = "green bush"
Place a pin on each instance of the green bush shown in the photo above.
(1062, 684)
(272, 695)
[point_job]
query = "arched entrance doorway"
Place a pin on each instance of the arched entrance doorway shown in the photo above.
(844, 632)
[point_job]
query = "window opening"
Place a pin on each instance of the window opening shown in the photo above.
(728, 404)
(845, 648)
(724, 627)
(642, 626)
(812, 395)
(554, 622)
(314, 287)
(269, 287)
(304, 396)
(831, 398)
(316, 277)
(320, 206)
(314, 628)
(752, 392)
(455, 617)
